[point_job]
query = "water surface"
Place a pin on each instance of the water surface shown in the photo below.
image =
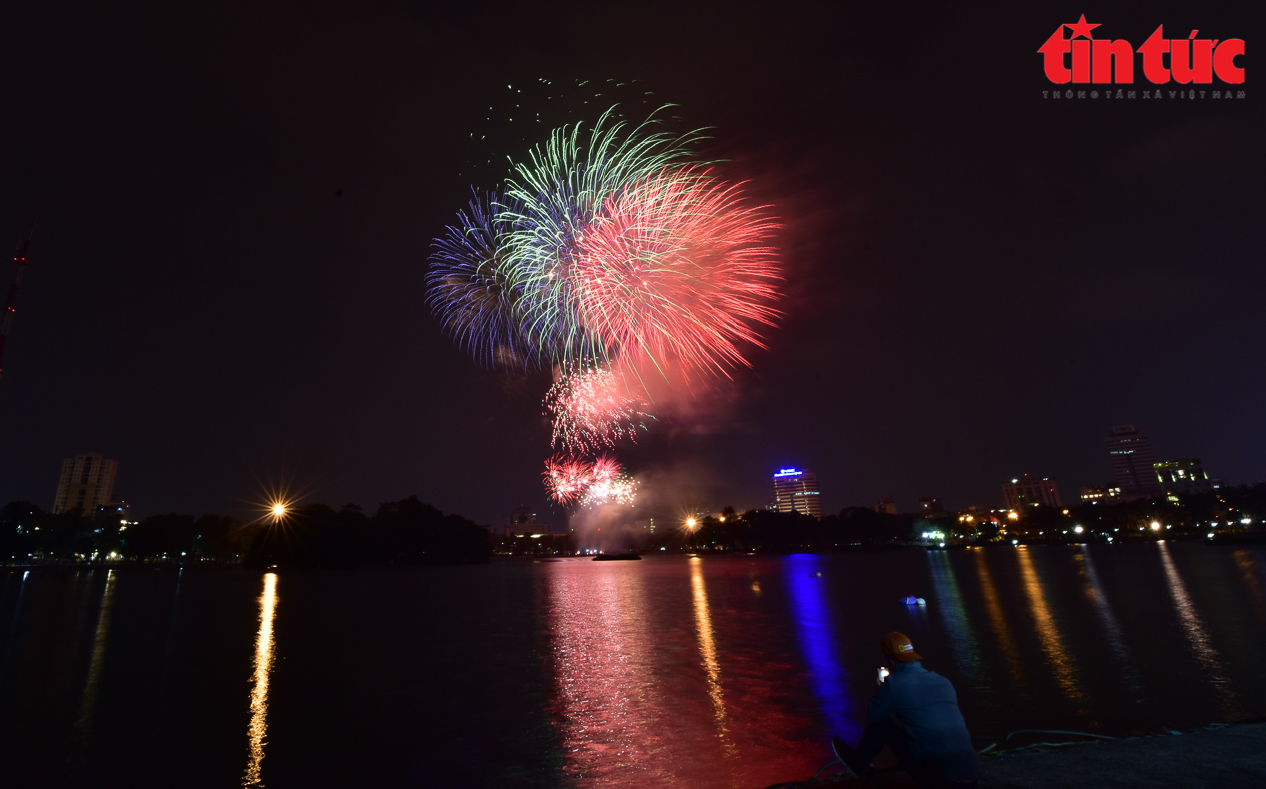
(714, 671)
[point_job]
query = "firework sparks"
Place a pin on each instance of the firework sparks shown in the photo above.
(606, 249)
(589, 483)
(469, 289)
(677, 270)
(567, 479)
(610, 485)
(558, 191)
(590, 410)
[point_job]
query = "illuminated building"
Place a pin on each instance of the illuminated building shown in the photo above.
(1133, 463)
(87, 482)
(797, 491)
(886, 505)
(1183, 477)
(523, 523)
(1027, 491)
(1095, 494)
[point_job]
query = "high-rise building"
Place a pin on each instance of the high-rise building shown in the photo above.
(797, 491)
(87, 482)
(929, 505)
(886, 505)
(1133, 463)
(1183, 477)
(1026, 491)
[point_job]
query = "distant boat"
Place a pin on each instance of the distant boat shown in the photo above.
(617, 557)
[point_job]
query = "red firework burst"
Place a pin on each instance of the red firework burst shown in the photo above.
(567, 479)
(677, 271)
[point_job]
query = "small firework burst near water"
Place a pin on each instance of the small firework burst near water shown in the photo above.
(610, 485)
(567, 478)
(591, 483)
(590, 410)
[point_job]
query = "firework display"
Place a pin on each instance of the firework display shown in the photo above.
(676, 271)
(567, 479)
(571, 480)
(606, 253)
(609, 484)
(469, 290)
(590, 411)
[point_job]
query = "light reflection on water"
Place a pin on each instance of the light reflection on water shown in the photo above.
(257, 731)
(1193, 627)
(998, 620)
(1061, 662)
(811, 610)
(88, 704)
(713, 672)
(1094, 592)
(953, 614)
(708, 651)
(606, 700)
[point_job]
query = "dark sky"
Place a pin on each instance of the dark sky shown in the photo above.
(980, 282)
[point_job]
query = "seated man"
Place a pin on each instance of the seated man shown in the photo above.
(928, 735)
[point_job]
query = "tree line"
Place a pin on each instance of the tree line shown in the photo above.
(400, 533)
(1238, 512)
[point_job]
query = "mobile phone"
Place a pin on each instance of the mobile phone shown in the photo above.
(882, 673)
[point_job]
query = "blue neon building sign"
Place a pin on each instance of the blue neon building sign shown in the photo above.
(788, 472)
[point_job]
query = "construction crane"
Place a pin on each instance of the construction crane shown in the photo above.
(10, 304)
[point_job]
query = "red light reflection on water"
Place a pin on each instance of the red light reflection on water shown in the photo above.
(614, 720)
(649, 695)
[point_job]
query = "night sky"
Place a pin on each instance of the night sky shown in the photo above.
(980, 283)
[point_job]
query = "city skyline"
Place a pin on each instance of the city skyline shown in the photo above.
(1182, 476)
(227, 284)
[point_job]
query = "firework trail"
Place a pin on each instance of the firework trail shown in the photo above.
(590, 411)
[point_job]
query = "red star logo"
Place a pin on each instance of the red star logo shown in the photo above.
(1082, 28)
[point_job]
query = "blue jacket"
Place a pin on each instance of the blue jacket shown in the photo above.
(928, 708)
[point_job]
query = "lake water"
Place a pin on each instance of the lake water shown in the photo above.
(719, 671)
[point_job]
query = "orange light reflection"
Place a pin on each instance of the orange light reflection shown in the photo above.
(708, 650)
(258, 728)
(1052, 642)
(999, 619)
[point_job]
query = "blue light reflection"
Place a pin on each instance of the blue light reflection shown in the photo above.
(819, 645)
